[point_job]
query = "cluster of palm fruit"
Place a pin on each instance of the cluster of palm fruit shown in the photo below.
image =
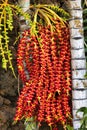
(45, 56)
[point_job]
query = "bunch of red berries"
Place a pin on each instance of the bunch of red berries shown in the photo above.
(47, 88)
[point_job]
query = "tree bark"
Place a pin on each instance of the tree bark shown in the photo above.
(24, 4)
(78, 61)
(24, 24)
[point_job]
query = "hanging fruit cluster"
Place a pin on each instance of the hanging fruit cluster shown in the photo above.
(46, 57)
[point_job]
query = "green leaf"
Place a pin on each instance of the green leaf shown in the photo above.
(85, 49)
(82, 109)
(28, 127)
(83, 123)
(85, 39)
(69, 127)
(85, 28)
(30, 124)
(85, 11)
(85, 21)
(1, 37)
(4, 63)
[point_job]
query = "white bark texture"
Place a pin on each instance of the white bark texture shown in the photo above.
(24, 4)
(78, 61)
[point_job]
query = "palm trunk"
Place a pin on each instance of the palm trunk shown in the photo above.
(78, 61)
(24, 4)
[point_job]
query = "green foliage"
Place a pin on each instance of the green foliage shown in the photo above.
(30, 124)
(85, 26)
(60, 11)
(69, 127)
(85, 20)
(84, 3)
(7, 11)
(84, 119)
(46, 15)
